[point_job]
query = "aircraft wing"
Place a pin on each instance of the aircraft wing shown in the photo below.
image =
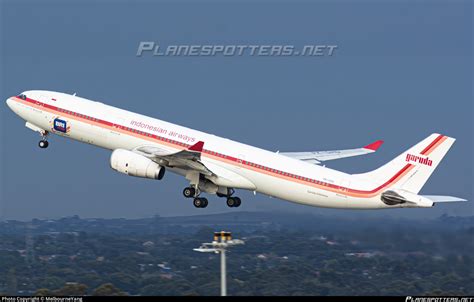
(186, 159)
(190, 159)
(317, 157)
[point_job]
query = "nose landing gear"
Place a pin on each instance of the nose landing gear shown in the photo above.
(43, 144)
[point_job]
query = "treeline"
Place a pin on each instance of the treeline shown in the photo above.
(393, 259)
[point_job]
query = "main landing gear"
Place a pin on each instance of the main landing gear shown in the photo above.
(201, 202)
(233, 202)
(198, 202)
(189, 192)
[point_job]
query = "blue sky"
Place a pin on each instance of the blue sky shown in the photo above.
(402, 70)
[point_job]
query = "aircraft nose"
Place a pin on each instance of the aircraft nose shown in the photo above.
(9, 103)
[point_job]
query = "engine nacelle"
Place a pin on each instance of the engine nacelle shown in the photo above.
(133, 164)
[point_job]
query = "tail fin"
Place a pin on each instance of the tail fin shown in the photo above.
(411, 169)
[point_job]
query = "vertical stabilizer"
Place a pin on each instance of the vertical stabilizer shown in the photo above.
(414, 166)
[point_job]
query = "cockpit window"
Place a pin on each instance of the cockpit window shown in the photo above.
(22, 96)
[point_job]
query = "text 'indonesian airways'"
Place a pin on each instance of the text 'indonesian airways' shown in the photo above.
(163, 132)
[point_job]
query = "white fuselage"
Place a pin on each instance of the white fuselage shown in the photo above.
(263, 171)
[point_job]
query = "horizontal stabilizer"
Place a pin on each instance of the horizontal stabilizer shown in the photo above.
(440, 198)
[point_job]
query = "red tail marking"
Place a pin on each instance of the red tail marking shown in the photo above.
(432, 144)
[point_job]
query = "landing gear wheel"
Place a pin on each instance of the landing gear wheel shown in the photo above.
(200, 202)
(43, 144)
(237, 202)
(230, 202)
(189, 192)
(197, 202)
(233, 202)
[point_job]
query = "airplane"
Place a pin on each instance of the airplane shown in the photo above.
(146, 147)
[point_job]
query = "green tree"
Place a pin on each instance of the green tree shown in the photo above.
(12, 283)
(72, 289)
(43, 292)
(51, 282)
(108, 289)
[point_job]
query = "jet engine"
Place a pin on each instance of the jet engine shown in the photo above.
(133, 164)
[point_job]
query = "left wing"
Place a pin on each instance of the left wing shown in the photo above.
(317, 157)
(187, 159)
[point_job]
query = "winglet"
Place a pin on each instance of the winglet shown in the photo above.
(374, 146)
(197, 147)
